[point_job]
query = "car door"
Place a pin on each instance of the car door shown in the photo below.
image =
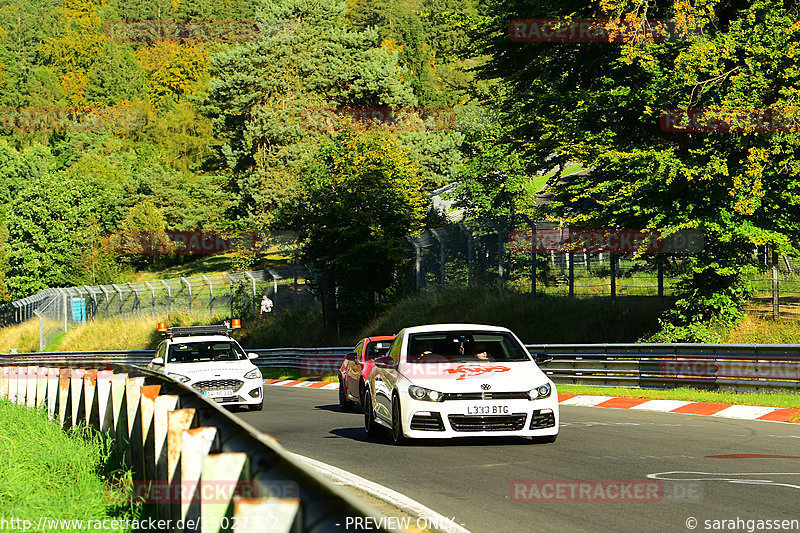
(353, 373)
(386, 381)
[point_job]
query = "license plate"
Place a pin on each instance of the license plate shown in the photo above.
(487, 409)
(218, 393)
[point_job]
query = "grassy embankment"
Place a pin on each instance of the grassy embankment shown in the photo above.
(56, 474)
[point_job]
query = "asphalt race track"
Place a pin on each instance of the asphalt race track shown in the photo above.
(736, 469)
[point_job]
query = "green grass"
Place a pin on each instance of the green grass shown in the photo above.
(52, 473)
(535, 185)
(784, 400)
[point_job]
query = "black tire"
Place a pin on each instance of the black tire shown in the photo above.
(372, 427)
(398, 437)
(344, 403)
(549, 439)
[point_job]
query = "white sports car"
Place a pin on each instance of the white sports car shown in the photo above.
(460, 380)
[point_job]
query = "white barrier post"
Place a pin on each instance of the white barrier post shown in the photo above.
(76, 391)
(32, 382)
(178, 421)
(91, 412)
(41, 386)
(4, 382)
(283, 515)
(22, 385)
(52, 392)
(133, 452)
(195, 445)
(64, 411)
(146, 412)
(219, 481)
(104, 401)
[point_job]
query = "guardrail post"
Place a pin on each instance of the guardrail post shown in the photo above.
(92, 411)
(190, 293)
(222, 472)
(195, 445)
(775, 286)
(41, 386)
(132, 405)
(4, 382)
(31, 379)
(285, 513)
(104, 402)
(147, 409)
(64, 410)
(178, 421)
(52, 392)
(210, 296)
(78, 402)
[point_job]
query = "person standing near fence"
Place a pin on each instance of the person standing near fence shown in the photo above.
(266, 305)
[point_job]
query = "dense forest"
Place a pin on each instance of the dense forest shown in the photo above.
(336, 119)
(151, 116)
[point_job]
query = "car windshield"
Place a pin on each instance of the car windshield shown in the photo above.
(465, 347)
(377, 349)
(197, 352)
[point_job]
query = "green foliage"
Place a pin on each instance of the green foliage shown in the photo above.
(359, 199)
(603, 107)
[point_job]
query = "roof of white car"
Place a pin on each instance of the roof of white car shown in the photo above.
(188, 339)
(453, 327)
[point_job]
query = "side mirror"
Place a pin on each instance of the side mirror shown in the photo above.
(384, 362)
(252, 356)
(351, 356)
(158, 361)
(543, 358)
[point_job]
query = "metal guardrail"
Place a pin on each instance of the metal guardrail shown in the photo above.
(180, 444)
(737, 367)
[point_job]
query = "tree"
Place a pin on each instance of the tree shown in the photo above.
(266, 95)
(600, 103)
(359, 198)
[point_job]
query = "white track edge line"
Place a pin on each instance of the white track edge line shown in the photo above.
(385, 494)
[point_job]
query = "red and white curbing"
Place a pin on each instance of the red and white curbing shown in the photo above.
(721, 410)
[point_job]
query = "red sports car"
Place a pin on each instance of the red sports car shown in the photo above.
(356, 368)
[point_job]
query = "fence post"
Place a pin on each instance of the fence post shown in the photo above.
(293, 271)
(660, 265)
(417, 262)
(468, 234)
(94, 302)
(136, 302)
(441, 256)
(105, 293)
(64, 293)
(255, 302)
(169, 296)
(210, 296)
(119, 295)
(571, 275)
(190, 293)
(275, 278)
(534, 245)
(499, 252)
(230, 280)
(152, 299)
(775, 289)
(613, 261)
(41, 330)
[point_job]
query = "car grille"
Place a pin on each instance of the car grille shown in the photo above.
(541, 420)
(431, 422)
(218, 384)
(486, 396)
(513, 422)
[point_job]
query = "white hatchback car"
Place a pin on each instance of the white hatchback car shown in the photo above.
(460, 380)
(207, 359)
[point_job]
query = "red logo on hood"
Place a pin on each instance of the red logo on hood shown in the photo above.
(475, 370)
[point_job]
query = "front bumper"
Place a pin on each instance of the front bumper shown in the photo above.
(480, 418)
(232, 391)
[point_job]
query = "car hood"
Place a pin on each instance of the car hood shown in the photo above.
(462, 377)
(223, 368)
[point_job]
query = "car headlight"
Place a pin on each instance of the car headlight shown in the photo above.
(253, 374)
(539, 392)
(428, 395)
(178, 377)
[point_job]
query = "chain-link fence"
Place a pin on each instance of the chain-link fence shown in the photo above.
(542, 258)
(234, 294)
